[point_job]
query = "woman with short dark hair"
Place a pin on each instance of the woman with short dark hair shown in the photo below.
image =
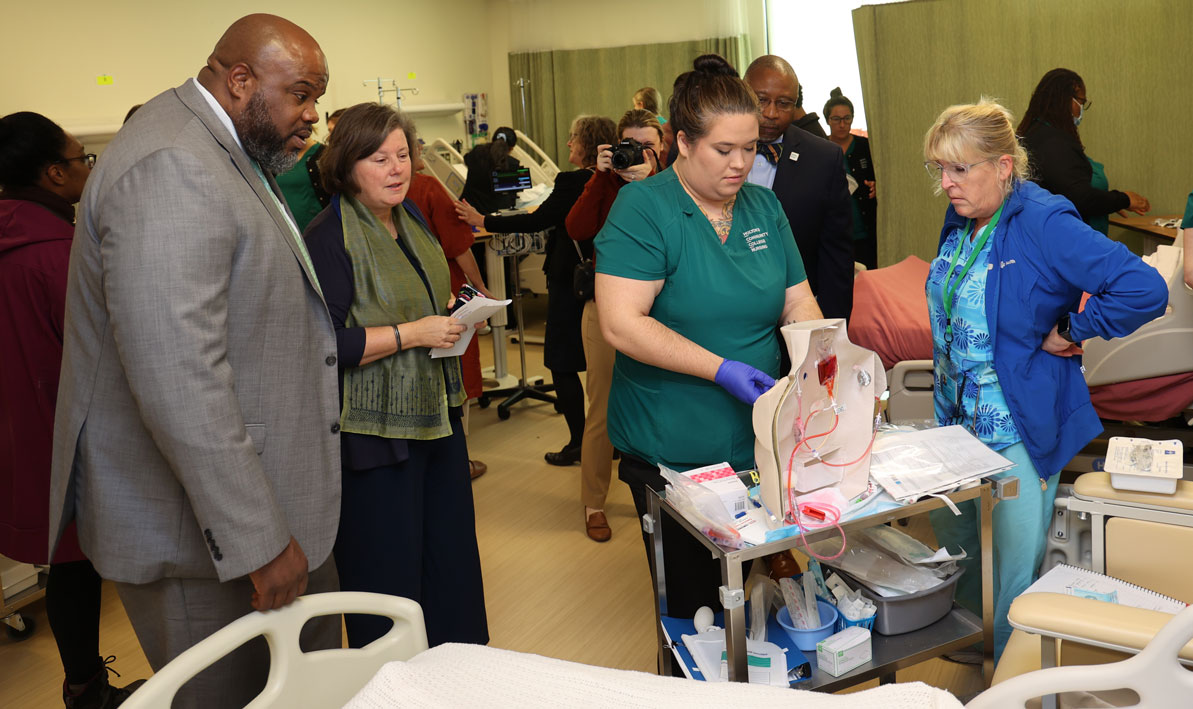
(407, 524)
(42, 172)
(1059, 164)
(563, 348)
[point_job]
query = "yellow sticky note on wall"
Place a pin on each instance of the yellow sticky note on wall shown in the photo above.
(105, 80)
(410, 76)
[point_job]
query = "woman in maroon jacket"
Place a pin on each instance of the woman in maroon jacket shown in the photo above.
(583, 222)
(42, 173)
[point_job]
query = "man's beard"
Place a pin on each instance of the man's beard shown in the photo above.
(261, 138)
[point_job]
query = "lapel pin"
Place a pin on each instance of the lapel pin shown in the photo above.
(793, 157)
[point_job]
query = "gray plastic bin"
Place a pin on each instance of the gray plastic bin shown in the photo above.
(903, 614)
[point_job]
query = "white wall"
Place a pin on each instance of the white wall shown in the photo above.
(53, 52)
(816, 38)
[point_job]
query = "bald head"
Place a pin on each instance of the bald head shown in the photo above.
(777, 88)
(267, 72)
(771, 62)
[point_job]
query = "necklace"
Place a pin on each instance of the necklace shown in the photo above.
(722, 223)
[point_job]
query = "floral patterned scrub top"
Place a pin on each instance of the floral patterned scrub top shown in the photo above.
(983, 408)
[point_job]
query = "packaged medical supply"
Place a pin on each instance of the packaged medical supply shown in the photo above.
(724, 483)
(883, 573)
(1144, 465)
(840, 653)
(702, 508)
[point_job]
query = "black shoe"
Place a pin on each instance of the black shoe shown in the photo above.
(97, 693)
(570, 455)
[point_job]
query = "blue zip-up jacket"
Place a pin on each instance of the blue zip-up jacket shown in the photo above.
(1042, 258)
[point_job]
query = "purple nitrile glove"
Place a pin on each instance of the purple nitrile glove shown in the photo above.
(743, 381)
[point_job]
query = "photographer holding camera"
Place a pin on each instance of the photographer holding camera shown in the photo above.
(634, 159)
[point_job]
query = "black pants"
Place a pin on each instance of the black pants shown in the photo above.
(569, 401)
(691, 574)
(410, 530)
(72, 607)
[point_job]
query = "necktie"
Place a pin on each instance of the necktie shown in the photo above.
(770, 151)
(302, 247)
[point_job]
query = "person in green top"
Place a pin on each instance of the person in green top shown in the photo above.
(859, 165)
(302, 186)
(695, 270)
(1187, 236)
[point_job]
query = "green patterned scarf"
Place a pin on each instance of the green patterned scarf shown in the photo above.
(405, 395)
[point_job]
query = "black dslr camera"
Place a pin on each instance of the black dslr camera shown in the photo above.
(627, 153)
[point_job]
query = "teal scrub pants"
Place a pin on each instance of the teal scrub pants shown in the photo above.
(1019, 529)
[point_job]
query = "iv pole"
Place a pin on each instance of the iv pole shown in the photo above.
(522, 83)
(393, 88)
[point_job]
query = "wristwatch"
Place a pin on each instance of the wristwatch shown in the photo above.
(1062, 328)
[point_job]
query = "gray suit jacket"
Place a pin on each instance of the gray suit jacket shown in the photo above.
(197, 413)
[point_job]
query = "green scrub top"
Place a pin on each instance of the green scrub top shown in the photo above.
(1187, 222)
(859, 225)
(727, 298)
(296, 187)
(1099, 181)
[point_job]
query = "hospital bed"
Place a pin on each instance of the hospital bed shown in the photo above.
(1145, 377)
(446, 164)
(399, 670)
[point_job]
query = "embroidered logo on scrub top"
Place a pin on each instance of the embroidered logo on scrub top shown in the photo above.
(756, 239)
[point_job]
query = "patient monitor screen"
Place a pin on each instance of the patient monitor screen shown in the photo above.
(511, 181)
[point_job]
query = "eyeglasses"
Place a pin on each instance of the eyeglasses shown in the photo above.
(957, 171)
(783, 104)
(1084, 104)
(840, 119)
(89, 158)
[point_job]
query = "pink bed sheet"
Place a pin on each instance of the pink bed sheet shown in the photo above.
(890, 317)
(890, 312)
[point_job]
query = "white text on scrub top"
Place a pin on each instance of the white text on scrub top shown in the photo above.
(756, 239)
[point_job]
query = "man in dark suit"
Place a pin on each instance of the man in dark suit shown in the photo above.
(807, 174)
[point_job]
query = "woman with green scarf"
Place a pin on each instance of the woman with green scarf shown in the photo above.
(407, 525)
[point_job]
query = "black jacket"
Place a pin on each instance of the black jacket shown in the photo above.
(810, 184)
(1059, 165)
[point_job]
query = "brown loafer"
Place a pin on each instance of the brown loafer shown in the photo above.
(597, 527)
(476, 468)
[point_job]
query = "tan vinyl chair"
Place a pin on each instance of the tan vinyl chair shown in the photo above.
(1142, 538)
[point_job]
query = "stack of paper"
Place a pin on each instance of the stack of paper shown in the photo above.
(474, 311)
(919, 463)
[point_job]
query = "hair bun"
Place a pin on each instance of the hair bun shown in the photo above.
(507, 136)
(714, 65)
(835, 92)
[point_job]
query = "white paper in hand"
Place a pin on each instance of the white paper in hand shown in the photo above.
(476, 310)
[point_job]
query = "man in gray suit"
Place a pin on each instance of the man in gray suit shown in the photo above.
(196, 442)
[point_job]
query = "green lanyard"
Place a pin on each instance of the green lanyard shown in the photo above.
(949, 288)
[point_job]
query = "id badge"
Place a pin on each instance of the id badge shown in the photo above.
(950, 384)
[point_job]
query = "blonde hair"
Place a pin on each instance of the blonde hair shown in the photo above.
(976, 131)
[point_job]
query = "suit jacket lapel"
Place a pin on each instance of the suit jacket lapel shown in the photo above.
(791, 144)
(190, 96)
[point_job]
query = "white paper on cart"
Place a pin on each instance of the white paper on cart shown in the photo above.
(767, 663)
(476, 310)
(914, 464)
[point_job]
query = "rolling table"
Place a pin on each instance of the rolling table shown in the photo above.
(957, 630)
(1153, 235)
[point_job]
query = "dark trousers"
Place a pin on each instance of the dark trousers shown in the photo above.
(691, 574)
(569, 401)
(410, 530)
(72, 607)
(172, 614)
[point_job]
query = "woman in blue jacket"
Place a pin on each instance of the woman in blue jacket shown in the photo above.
(1003, 294)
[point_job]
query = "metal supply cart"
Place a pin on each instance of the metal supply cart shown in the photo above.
(19, 625)
(955, 631)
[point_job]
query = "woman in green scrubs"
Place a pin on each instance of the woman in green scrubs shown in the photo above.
(695, 270)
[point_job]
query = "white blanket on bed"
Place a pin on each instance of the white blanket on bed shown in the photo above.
(457, 675)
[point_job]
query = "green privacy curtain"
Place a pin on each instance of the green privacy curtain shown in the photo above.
(566, 83)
